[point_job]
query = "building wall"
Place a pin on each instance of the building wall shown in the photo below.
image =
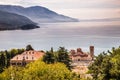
(26, 57)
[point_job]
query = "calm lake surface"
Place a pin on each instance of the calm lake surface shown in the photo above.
(71, 35)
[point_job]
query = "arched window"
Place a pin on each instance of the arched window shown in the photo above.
(26, 57)
(32, 52)
(32, 58)
(78, 59)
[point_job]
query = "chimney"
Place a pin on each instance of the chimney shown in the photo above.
(92, 51)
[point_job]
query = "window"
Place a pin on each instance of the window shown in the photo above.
(78, 59)
(32, 58)
(32, 52)
(17, 57)
(13, 63)
(18, 63)
(26, 57)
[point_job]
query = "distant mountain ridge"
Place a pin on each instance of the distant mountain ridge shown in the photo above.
(11, 21)
(37, 13)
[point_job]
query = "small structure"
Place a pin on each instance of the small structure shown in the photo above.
(82, 56)
(26, 57)
(81, 60)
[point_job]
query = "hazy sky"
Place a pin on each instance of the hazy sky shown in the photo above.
(83, 9)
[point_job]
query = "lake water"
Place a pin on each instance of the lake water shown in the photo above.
(71, 35)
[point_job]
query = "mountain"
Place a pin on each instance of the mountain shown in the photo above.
(11, 21)
(37, 13)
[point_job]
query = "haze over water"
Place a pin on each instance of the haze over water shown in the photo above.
(71, 35)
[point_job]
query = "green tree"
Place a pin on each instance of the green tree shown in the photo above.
(106, 66)
(49, 57)
(12, 73)
(39, 70)
(20, 51)
(63, 56)
(2, 62)
(5, 57)
(29, 47)
(8, 57)
(13, 52)
(115, 64)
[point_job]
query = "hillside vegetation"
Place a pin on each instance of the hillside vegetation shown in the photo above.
(106, 66)
(11, 21)
(37, 13)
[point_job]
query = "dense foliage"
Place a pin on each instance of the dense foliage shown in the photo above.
(29, 47)
(106, 66)
(29, 26)
(61, 55)
(5, 57)
(39, 70)
(55, 65)
(11, 21)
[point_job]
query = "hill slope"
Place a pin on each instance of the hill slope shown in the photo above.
(10, 21)
(37, 13)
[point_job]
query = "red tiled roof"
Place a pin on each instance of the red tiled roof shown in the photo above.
(79, 53)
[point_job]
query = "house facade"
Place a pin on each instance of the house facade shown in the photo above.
(26, 57)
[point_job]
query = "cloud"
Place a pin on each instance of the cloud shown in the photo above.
(90, 13)
(66, 3)
(9, 2)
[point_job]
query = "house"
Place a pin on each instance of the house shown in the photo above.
(26, 57)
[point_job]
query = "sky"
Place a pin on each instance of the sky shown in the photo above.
(82, 9)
